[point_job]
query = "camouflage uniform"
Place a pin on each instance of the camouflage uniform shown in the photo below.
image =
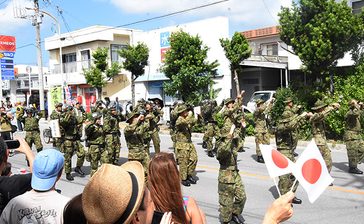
(318, 131)
(19, 115)
(240, 129)
(153, 131)
(172, 125)
(5, 126)
(58, 142)
(285, 143)
(211, 128)
(261, 129)
(112, 137)
(186, 151)
(70, 124)
(352, 136)
(31, 127)
(95, 142)
(231, 190)
(134, 133)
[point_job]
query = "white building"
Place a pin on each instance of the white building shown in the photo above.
(76, 48)
(210, 31)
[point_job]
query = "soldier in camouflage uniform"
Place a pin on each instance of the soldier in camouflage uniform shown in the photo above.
(5, 124)
(56, 115)
(209, 109)
(293, 109)
(112, 136)
(134, 136)
(285, 142)
(172, 125)
(95, 141)
(18, 115)
(321, 110)
(186, 151)
(31, 127)
(80, 114)
(231, 190)
(261, 129)
(70, 145)
(352, 136)
(155, 114)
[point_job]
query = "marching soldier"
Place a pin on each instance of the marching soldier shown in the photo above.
(134, 137)
(186, 151)
(31, 127)
(285, 142)
(95, 141)
(321, 110)
(231, 190)
(292, 109)
(19, 115)
(261, 129)
(5, 124)
(112, 136)
(352, 136)
(56, 115)
(155, 114)
(172, 125)
(209, 110)
(70, 145)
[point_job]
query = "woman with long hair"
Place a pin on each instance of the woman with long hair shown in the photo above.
(167, 194)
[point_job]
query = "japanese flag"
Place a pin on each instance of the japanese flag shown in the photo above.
(277, 164)
(311, 172)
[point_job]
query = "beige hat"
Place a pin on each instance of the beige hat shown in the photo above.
(114, 193)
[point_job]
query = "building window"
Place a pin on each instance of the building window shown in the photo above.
(67, 58)
(357, 6)
(114, 52)
(272, 49)
(85, 59)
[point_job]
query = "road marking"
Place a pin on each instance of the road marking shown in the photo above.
(263, 177)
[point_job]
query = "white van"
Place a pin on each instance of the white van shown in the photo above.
(265, 95)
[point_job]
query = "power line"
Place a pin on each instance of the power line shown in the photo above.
(3, 2)
(270, 13)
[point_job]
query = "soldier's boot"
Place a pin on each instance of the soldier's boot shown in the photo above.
(235, 218)
(260, 159)
(355, 170)
(204, 145)
(79, 171)
(186, 183)
(69, 177)
(296, 201)
(241, 149)
(191, 180)
(295, 154)
(210, 154)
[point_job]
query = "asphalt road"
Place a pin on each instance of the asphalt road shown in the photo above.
(341, 203)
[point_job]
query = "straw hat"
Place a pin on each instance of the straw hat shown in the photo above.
(181, 108)
(114, 193)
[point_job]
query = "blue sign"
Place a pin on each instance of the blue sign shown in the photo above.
(164, 39)
(7, 74)
(7, 65)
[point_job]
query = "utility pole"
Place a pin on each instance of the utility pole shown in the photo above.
(36, 22)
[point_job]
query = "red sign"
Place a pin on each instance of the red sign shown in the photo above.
(7, 43)
(163, 53)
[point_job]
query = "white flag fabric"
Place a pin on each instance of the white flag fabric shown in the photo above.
(311, 172)
(277, 164)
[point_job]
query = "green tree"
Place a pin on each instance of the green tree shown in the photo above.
(100, 72)
(136, 58)
(321, 32)
(236, 51)
(190, 74)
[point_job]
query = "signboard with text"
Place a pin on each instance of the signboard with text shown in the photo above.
(7, 43)
(7, 52)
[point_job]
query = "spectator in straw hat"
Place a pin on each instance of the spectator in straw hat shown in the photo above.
(117, 194)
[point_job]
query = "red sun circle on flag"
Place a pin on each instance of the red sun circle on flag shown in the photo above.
(279, 160)
(311, 170)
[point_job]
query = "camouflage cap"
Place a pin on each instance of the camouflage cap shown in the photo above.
(318, 105)
(131, 115)
(58, 105)
(259, 101)
(181, 108)
(228, 100)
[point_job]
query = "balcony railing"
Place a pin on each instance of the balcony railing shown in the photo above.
(71, 67)
(268, 58)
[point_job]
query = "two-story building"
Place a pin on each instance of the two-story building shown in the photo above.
(76, 48)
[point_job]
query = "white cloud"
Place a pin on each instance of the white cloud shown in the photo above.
(242, 13)
(8, 22)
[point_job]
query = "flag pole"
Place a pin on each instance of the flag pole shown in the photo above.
(294, 183)
(275, 183)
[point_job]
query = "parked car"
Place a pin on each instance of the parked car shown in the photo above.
(265, 95)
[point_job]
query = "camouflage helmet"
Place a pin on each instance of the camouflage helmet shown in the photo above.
(259, 101)
(113, 107)
(29, 110)
(58, 105)
(289, 99)
(228, 100)
(131, 115)
(318, 105)
(181, 108)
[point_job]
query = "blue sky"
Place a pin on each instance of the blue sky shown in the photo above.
(243, 15)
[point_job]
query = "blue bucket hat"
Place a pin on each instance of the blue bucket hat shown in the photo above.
(46, 167)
